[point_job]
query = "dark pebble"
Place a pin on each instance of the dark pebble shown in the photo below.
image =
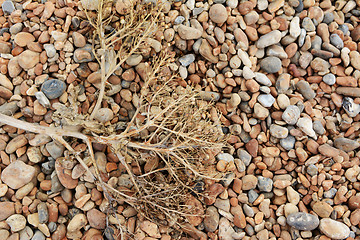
(303, 221)
(53, 88)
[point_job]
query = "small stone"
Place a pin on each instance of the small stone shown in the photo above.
(303, 221)
(329, 79)
(96, 219)
(271, 64)
(205, 50)
(265, 184)
(16, 222)
(225, 229)
(249, 182)
(322, 209)
(104, 115)
(291, 115)
(43, 212)
(77, 222)
(43, 100)
(6, 210)
(267, 100)
(244, 156)
(334, 229)
(262, 79)
(225, 157)
(354, 202)
(8, 7)
(50, 50)
(38, 236)
(28, 59)
(288, 143)
(79, 39)
(346, 144)
(211, 220)
(64, 177)
(260, 112)
(187, 59)
(53, 88)
(150, 228)
(188, 33)
(305, 124)
(23, 38)
(218, 13)
(278, 131)
(295, 27)
(320, 65)
(336, 41)
(55, 149)
(134, 60)
(312, 170)
(305, 90)
(17, 174)
(84, 54)
(269, 39)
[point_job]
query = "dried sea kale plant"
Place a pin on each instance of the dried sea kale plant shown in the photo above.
(166, 145)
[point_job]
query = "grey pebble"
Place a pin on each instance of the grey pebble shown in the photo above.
(55, 183)
(344, 28)
(305, 90)
(267, 100)
(43, 212)
(303, 221)
(278, 131)
(312, 170)
(228, 179)
(328, 17)
(225, 157)
(16, 28)
(252, 196)
(291, 114)
(271, 64)
(288, 143)
(330, 193)
(8, 7)
(50, 50)
(43, 100)
(336, 41)
(265, 184)
(53, 88)
(186, 60)
(9, 108)
(329, 79)
(38, 236)
(179, 20)
(52, 227)
(318, 127)
(244, 156)
(248, 210)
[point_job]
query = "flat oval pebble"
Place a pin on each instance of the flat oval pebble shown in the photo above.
(53, 88)
(17, 174)
(303, 221)
(334, 229)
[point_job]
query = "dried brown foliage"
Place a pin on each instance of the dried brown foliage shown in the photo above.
(168, 137)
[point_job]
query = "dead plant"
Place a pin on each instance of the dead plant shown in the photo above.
(168, 136)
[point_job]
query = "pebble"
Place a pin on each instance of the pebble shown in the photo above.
(77, 222)
(265, 184)
(23, 38)
(249, 182)
(218, 13)
(270, 64)
(50, 50)
(189, 33)
(267, 100)
(16, 222)
(53, 88)
(187, 60)
(225, 229)
(104, 115)
(336, 41)
(150, 228)
(329, 79)
(38, 235)
(17, 174)
(84, 54)
(278, 131)
(305, 124)
(346, 144)
(288, 143)
(211, 220)
(269, 39)
(303, 221)
(305, 89)
(262, 79)
(28, 59)
(96, 219)
(8, 7)
(291, 115)
(6, 210)
(334, 229)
